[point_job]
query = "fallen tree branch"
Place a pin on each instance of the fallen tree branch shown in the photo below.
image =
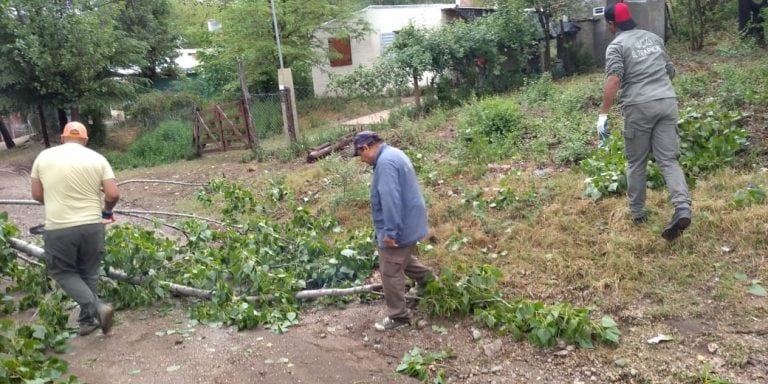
(189, 216)
(187, 183)
(163, 223)
(129, 212)
(328, 148)
(183, 290)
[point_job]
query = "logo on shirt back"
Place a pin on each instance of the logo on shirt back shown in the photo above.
(644, 48)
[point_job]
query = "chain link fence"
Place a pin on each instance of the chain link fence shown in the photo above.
(267, 112)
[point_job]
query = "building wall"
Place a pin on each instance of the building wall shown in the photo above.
(383, 19)
(648, 14)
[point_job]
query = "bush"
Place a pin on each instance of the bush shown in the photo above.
(170, 142)
(493, 118)
(154, 107)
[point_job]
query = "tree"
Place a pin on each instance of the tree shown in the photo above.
(411, 54)
(544, 11)
(6, 135)
(190, 20)
(247, 34)
(149, 21)
(64, 54)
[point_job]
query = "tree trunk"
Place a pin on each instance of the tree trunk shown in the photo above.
(6, 135)
(62, 116)
(43, 128)
(544, 22)
(417, 94)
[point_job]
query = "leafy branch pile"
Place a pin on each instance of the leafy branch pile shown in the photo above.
(708, 141)
(253, 270)
(541, 324)
(23, 356)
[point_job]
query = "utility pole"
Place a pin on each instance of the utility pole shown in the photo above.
(285, 83)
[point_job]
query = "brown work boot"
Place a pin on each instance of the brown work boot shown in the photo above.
(105, 314)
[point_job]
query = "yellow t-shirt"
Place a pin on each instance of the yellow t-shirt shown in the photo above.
(71, 175)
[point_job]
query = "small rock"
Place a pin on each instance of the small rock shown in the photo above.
(476, 335)
(496, 369)
(492, 349)
(484, 371)
(570, 348)
(542, 172)
(620, 362)
(633, 372)
(323, 335)
(561, 353)
(712, 347)
(422, 323)
(377, 347)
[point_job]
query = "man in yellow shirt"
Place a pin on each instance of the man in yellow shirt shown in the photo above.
(69, 179)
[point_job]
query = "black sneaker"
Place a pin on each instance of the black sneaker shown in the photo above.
(680, 221)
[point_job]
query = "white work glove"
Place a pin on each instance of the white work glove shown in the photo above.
(602, 129)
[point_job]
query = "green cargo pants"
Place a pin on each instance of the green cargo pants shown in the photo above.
(74, 258)
(653, 126)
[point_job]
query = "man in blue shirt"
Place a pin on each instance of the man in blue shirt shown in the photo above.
(400, 220)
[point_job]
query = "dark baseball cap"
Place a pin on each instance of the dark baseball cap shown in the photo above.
(364, 138)
(619, 13)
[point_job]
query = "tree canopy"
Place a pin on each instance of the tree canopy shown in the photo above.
(247, 34)
(64, 53)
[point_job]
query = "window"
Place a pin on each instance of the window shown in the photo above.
(386, 40)
(341, 52)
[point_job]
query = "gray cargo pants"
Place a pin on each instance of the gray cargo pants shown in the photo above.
(653, 126)
(74, 258)
(396, 263)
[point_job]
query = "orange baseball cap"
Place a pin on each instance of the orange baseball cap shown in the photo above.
(75, 130)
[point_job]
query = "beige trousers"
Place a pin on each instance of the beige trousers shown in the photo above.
(396, 263)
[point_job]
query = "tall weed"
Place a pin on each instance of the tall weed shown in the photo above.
(170, 142)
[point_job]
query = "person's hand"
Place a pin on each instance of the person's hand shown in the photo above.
(390, 242)
(602, 128)
(107, 217)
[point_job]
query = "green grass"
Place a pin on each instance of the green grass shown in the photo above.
(171, 141)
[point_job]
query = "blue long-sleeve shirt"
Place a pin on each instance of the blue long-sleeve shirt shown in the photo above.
(397, 205)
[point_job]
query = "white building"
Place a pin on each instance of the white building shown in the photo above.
(385, 21)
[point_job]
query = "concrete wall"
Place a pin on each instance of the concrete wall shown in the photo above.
(594, 34)
(383, 19)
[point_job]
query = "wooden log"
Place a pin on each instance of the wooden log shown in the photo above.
(183, 290)
(342, 143)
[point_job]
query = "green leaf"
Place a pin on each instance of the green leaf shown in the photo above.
(741, 276)
(757, 290)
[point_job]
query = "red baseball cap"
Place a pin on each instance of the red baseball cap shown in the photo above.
(619, 13)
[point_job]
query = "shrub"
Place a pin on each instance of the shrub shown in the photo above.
(154, 107)
(493, 118)
(170, 142)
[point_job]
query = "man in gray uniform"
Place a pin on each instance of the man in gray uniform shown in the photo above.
(636, 62)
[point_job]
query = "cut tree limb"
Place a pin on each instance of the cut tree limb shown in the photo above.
(183, 290)
(129, 212)
(186, 183)
(328, 148)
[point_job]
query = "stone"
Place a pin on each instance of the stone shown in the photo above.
(492, 349)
